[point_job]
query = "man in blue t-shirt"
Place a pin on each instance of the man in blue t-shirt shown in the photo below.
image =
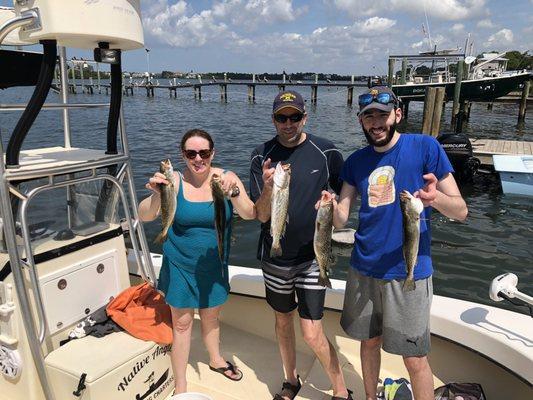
(377, 310)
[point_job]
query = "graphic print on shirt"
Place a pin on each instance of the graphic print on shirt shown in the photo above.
(381, 189)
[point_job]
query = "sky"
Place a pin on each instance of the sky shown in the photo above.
(325, 36)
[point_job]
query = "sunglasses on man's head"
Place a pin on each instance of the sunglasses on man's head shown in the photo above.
(283, 118)
(191, 154)
(381, 98)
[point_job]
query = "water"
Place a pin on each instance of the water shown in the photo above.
(496, 238)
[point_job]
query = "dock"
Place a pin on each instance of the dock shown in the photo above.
(484, 149)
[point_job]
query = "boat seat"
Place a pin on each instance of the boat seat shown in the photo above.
(133, 368)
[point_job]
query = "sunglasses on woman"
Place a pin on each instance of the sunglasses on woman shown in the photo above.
(381, 98)
(283, 118)
(191, 154)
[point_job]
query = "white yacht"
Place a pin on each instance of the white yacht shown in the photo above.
(53, 273)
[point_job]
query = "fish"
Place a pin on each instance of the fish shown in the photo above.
(322, 240)
(411, 208)
(220, 212)
(279, 207)
(168, 200)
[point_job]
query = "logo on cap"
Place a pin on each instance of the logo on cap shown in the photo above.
(287, 97)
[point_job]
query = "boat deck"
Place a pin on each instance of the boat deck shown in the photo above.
(484, 149)
(258, 358)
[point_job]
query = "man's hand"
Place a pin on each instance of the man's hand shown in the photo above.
(428, 193)
(268, 173)
(326, 196)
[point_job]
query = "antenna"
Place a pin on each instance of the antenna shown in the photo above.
(427, 24)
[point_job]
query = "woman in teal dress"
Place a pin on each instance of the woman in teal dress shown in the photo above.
(192, 274)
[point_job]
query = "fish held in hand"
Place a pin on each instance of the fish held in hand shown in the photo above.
(279, 207)
(168, 200)
(411, 208)
(219, 204)
(322, 240)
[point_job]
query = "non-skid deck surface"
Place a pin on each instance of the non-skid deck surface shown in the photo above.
(257, 357)
(260, 362)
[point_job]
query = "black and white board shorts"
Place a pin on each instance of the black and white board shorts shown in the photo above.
(283, 283)
(376, 307)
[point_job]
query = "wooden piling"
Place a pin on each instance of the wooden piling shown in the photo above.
(224, 93)
(281, 88)
(437, 111)
(429, 105)
(489, 106)
(350, 95)
(457, 92)
(391, 72)
(433, 110)
(406, 110)
(314, 92)
(251, 94)
(523, 102)
(73, 70)
(404, 72)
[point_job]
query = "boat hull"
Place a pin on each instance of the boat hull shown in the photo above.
(486, 89)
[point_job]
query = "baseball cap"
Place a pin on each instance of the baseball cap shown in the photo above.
(290, 99)
(379, 98)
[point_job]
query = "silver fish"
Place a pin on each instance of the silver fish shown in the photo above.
(279, 207)
(322, 240)
(411, 209)
(220, 213)
(168, 200)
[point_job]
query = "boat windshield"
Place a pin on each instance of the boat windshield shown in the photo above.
(57, 215)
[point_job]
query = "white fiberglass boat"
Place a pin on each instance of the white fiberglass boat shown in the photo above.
(54, 273)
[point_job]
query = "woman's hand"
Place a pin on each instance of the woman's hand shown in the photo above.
(229, 181)
(155, 181)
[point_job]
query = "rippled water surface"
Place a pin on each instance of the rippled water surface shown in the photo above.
(498, 236)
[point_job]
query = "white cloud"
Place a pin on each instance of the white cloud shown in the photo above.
(458, 28)
(172, 25)
(373, 26)
(501, 38)
(180, 26)
(333, 47)
(253, 13)
(450, 10)
(486, 23)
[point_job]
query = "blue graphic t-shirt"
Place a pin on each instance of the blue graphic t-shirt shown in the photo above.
(379, 179)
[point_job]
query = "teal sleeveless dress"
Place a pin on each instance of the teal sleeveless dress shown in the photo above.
(192, 275)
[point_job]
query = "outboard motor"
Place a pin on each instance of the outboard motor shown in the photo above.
(459, 151)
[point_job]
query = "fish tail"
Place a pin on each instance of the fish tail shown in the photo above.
(323, 279)
(409, 284)
(275, 251)
(161, 237)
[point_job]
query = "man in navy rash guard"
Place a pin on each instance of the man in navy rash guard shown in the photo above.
(315, 165)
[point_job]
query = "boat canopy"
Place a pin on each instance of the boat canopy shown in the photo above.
(80, 24)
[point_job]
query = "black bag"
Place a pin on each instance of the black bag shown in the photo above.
(460, 391)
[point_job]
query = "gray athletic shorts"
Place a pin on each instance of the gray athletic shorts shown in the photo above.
(375, 307)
